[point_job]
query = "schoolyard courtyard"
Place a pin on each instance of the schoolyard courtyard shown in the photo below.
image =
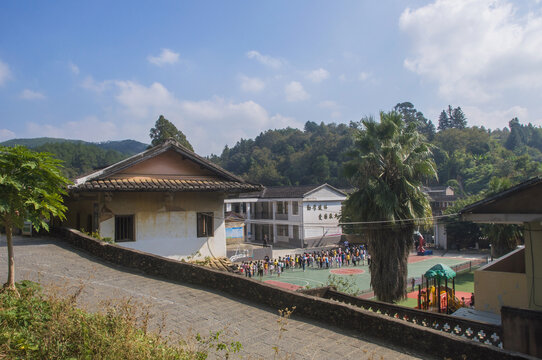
(360, 277)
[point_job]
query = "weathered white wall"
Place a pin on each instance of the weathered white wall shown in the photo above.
(165, 224)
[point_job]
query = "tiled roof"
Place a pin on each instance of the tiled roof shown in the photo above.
(108, 180)
(283, 192)
(273, 192)
(152, 184)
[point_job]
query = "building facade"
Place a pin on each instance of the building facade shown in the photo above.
(166, 200)
(295, 215)
(440, 197)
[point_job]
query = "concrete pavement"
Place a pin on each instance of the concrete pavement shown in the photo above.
(185, 309)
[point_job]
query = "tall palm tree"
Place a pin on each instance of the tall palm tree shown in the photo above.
(389, 162)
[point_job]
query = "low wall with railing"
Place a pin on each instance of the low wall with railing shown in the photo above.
(478, 331)
(330, 312)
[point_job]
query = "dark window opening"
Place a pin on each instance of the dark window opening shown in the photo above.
(205, 224)
(124, 228)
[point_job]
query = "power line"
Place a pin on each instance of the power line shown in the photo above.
(398, 220)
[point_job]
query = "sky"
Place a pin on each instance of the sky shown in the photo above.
(226, 70)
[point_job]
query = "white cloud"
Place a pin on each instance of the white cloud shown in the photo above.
(264, 59)
(28, 94)
(294, 92)
(328, 104)
(144, 102)
(251, 84)
(74, 68)
(208, 124)
(318, 75)
(475, 49)
(208, 111)
(5, 74)
(6, 134)
(363, 76)
(280, 121)
(336, 114)
(228, 120)
(89, 128)
(90, 84)
(494, 119)
(166, 57)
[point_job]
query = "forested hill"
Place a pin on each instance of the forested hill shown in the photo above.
(128, 147)
(291, 156)
(80, 157)
(466, 157)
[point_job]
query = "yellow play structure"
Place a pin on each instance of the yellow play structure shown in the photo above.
(436, 297)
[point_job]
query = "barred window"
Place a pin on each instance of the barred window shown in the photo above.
(124, 228)
(205, 224)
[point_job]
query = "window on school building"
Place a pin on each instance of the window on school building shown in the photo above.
(124, 228)
(205, 224)
(282, 230)
(295, 209)
(282, 207)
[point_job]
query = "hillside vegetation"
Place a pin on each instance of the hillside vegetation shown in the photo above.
(467, 158)
(82, 157)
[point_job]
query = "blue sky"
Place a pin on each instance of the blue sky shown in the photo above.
(222, 71)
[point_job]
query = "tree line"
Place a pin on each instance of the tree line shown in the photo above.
(466, 157)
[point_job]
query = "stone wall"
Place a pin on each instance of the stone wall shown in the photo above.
(330, 312)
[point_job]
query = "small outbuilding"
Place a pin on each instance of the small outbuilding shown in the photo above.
(512, 285)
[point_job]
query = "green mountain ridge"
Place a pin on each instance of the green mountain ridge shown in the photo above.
(80, 157)
(128, 147)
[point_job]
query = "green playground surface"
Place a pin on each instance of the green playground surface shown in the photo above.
(314, 277)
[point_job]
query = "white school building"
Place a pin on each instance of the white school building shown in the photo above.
(295, 215)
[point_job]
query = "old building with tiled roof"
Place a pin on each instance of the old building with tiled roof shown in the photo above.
(166, 200)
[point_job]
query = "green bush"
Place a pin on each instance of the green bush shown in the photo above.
(33, 326)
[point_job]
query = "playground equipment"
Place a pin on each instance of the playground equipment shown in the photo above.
(435, 297)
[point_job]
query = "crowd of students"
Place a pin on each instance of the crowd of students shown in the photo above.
(345, 255)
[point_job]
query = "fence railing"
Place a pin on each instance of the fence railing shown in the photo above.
(486, 333)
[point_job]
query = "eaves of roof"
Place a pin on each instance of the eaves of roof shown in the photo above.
(503, 194)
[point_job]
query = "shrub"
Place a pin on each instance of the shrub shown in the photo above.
(33, 326)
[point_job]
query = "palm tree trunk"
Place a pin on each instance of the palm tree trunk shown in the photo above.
(389, 249)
